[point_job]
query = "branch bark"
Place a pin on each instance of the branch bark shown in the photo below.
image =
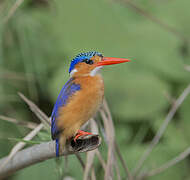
(29, 125)
(20, 145)
(15, 6)
(155, 20)
(162, 129)
(167, 165)
(44, 151)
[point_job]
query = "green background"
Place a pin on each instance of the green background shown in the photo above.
(41, 38)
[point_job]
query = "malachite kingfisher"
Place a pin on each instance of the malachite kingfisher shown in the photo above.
(80, 97)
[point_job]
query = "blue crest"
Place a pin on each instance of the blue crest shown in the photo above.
(80, 57)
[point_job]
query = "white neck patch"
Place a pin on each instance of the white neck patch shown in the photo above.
(73, 72)
(95, 70)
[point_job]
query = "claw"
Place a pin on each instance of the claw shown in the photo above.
(81, 133)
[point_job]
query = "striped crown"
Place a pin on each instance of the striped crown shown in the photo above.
(80, 57)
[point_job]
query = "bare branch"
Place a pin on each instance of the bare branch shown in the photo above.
(154, 19)
(12, 75)
(123, 162)
(80, 160)
(108, 124)
(20, 145)
(91, 154)
(95, 130)
(169, 164)
(44, 151)
(117, 171)
(93, 176)
(111, 136)
(41, 115)
(89, 164)
(163, 127)
(12, 10)
(187, 67)
(102, 162)
(110, 139)
(29, 125)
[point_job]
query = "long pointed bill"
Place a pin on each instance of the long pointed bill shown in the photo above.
(111, 60)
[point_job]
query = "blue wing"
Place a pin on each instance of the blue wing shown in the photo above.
(68, 90)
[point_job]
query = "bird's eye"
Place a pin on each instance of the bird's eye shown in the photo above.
(88, 61)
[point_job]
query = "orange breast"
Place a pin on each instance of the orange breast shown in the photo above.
(82, 106)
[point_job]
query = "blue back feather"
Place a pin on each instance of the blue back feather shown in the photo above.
(80, 57)
(68, 90)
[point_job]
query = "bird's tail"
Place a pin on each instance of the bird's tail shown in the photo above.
(60, 144)
(57, 147)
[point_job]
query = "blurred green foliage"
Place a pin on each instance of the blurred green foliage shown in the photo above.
(40, 39)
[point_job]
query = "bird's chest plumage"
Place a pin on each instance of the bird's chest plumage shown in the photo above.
(91, 96)
(83, 104)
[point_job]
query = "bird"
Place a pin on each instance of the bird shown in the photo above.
(80, 98)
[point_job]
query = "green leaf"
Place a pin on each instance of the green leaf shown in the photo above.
(25, 141)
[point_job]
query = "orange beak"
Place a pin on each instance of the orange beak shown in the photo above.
(111, 60)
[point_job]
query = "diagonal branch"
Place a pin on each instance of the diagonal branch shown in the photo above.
(44, 151)
(187, 68)
(169, 164)
(123, 162)
(109, 127)
(154, 19)
(90, 155)
(13, 9)
(162, 129)
(40, 114)
(110, 139)
(20, 145)
(29, 125)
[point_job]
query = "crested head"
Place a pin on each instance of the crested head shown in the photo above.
(90, 63)
(84, 63)
(81, 57)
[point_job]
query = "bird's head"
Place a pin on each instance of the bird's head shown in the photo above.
(91, 62)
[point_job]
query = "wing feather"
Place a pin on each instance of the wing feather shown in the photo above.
(68, 90)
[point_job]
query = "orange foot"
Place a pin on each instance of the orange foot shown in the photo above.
(81, 133)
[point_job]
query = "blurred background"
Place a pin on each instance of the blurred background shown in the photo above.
(39, 38)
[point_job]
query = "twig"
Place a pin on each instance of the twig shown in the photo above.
(111, 136)
(68, 178)
(117, 170)
(108, 123)
(187, 68)
(80, 160)
(6, 74)
(44, 151)
(90, 155)
(169, 164)
(29, 125)
(115, 146)
(123, 162)
(155, 20)
(110, 139)
(12, 10)
(41, 115)
(20, 145)
(163, 127)
(102, 162)
(93, 176)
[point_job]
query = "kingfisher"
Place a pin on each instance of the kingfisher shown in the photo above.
(80, 97)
